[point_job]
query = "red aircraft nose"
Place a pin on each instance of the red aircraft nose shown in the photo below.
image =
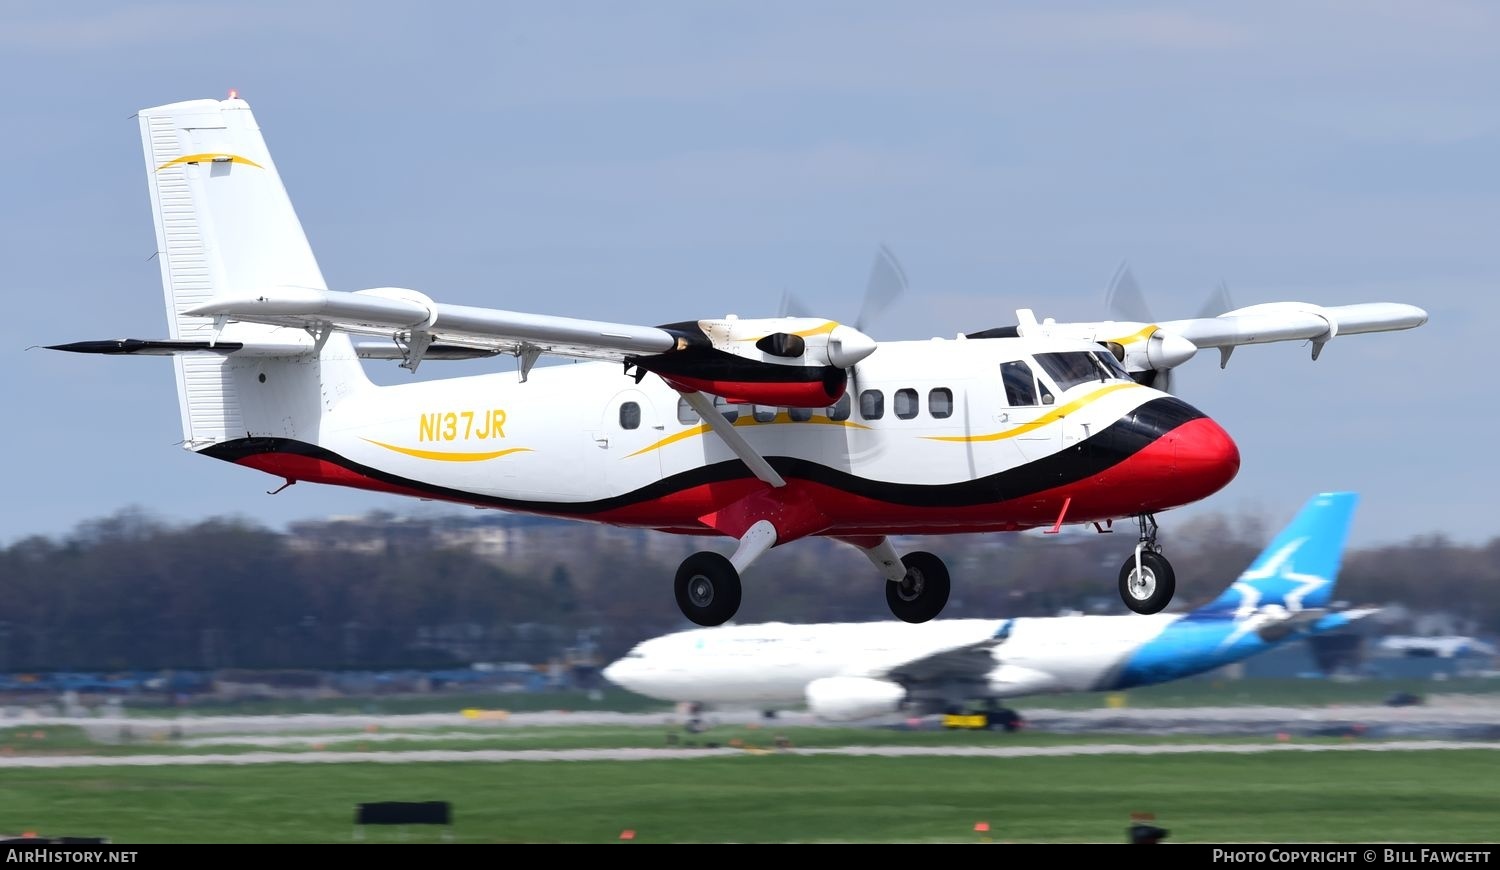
(1205, 458)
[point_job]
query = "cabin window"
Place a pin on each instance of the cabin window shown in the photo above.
(840, 410)
(799, 415)
(872, 404)
(1020, 383)
(730, 412)
(906, 403)
(630, 416)
(763, 413)
(940, 403)
(685, 413)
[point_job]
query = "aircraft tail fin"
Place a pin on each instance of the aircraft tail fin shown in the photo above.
(224, 224)
(1299, 568)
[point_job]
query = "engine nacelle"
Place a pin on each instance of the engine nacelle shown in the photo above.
(796, 362)
(843, 699)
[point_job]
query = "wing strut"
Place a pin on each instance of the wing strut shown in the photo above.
(736, 442)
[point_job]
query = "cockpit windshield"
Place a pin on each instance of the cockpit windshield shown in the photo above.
(1071, 368)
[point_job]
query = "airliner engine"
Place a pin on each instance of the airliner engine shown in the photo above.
(843, 699)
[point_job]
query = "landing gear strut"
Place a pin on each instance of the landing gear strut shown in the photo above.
(708, 585)
(916, 586)
(1147, 581)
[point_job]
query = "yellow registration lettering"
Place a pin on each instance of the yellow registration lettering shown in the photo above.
(444, 425)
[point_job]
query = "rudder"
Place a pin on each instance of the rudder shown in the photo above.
(1299, 568)
(224, 223)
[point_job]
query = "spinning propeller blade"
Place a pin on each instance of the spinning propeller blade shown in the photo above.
(887, 282)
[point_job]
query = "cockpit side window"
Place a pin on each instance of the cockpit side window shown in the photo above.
(1068, 370)
(1112, 365)
(1071, 368)
(1020, 383)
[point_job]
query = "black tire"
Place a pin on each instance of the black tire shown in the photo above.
(708, 589)
(1156, 586)
(923, 592)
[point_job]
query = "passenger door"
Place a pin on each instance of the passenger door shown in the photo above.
(629, 433)
(1026, 416)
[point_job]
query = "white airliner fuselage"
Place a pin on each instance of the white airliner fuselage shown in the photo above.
(855, 670)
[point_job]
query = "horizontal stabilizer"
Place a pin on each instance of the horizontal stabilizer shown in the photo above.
(182, 347)
(171, 347)
(148, 347)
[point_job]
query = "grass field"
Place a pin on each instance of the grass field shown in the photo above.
(1406, 796)
(1358, 797)
(61, 740)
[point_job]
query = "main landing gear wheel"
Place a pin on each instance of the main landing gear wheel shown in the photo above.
(923, 592)
(1151, 589)
(708, 588)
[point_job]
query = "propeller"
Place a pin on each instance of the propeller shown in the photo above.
(887, 282)
(1126, 302)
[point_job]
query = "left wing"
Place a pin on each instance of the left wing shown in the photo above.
(707, 353)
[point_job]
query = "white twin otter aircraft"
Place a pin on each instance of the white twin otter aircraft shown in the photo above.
(761, 430)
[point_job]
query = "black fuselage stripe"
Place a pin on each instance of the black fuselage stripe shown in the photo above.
(1091, 456)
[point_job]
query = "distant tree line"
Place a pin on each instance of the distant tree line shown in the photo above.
(130, 592)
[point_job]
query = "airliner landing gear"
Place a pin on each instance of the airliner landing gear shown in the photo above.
(1147, 581)
(708, 585)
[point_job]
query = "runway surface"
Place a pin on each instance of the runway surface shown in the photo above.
(497, 755)
(1475, 719)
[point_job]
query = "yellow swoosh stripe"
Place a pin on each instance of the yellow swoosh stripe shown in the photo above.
(208, 158)
(1050, 417)
(819, 330)
(827, 327)
(745, 420)
(446, 456)
(1135, 336)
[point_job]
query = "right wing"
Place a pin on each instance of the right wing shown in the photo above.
(1151, 349)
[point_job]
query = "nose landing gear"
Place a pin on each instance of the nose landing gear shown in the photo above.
(1147, 581)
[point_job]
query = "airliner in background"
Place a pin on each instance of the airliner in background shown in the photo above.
(852, 671)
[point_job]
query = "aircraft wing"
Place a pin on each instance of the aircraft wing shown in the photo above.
(970, 661)
(798, 361)
(1293, 321)
(398, 314)
(1150, 349)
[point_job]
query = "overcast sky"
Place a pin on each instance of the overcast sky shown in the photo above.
(656, 162)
